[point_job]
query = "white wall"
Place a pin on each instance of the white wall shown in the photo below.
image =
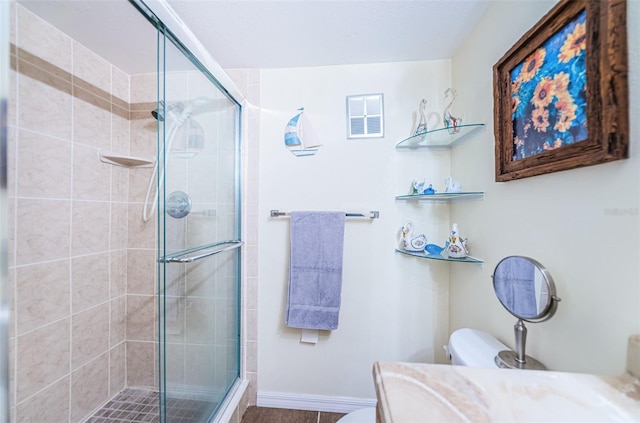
(559, 219)
(394, 307)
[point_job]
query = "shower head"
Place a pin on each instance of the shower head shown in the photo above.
(159, 112)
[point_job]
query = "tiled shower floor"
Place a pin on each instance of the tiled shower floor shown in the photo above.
(141, 405)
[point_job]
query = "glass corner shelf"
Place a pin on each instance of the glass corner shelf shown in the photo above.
(439, 257)
(442, 137)
(445, 196)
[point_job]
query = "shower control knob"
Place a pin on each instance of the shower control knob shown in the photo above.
(178, 204)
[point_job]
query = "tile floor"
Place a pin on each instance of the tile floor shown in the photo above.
(140, 405)
(280, 415)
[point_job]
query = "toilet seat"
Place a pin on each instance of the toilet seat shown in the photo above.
(364, 415)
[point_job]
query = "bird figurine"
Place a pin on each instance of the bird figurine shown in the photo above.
(410, 243)
(422, 125)
(451, 185)
(450, 121)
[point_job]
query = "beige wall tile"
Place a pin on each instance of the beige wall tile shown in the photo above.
(44, 166)
(139, 184)
(13, 96)
(119, 222)
(175, 364)
(251, 293)
(117, 329)
(89, 387)
(144, 137)
(201, 278)
(177, 87)
(90, 67)
(251, 324)
(91, 124)
(141, 317)
(12, 23)
(90, 335)
(118, 273)
(11, 236)
(141, 270)
(175, 233)
(175, 279)
(200, 365)
(43, 40)
(141, 363)
(120, 134)
(89, 281)
(119, 84)
(252, 357)
(42, 358)
(91, 177)
(43, 108)
(141, 234)
(42, 294)
(200, 323)
(90, 227)
(12, 148)
(143, 88)
(119, 183)
(174, 318)
(12, 372)
(32, 243)
(48, 406)
(117, 365)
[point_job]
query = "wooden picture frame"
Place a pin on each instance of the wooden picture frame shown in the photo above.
(561, 92)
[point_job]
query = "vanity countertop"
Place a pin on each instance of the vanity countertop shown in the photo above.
(417, 393)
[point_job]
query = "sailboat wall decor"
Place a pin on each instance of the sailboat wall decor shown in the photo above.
(293, 137)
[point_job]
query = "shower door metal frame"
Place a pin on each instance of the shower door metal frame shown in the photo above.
(4, 224)
(165, 33)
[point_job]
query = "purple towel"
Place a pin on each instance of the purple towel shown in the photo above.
(315, 277)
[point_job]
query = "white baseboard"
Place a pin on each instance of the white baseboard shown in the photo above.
(313, 402)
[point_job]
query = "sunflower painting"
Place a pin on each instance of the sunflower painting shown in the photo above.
(548, 93)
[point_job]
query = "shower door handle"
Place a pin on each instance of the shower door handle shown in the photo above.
(178, 257)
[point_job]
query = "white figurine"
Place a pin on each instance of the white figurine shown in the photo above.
(452, 186)
(410, 243)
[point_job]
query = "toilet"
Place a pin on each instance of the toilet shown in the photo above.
(363, 415)
(467, 347)
(473, 348)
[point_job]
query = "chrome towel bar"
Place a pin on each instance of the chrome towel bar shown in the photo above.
(177, 257)
(371, 214)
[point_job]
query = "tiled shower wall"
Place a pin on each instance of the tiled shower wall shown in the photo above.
(74, 237)
(82, 261)
(248, 82)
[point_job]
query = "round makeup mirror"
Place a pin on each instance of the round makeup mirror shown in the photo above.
(526, 289)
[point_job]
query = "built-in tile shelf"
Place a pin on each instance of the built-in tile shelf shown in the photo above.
(424, 255)
(442, 137)
(125, 161)
(445, 196)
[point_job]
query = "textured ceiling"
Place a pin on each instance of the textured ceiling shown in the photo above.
(274, 33)
(294, 33)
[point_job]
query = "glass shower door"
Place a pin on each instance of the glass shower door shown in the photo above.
(199, 239)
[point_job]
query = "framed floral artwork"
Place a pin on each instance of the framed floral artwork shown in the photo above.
(561, 92)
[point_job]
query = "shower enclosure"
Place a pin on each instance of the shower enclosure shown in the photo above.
(198, 236)
(123, 196)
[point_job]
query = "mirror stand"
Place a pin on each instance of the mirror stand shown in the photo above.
(518, 359)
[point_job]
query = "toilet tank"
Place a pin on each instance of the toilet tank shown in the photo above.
(474, 348)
